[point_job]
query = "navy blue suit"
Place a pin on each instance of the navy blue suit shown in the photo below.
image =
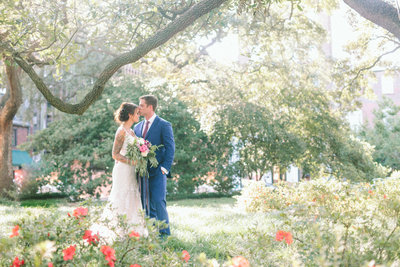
(160, 133)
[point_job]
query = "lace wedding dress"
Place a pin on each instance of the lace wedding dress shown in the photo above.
(124, 198)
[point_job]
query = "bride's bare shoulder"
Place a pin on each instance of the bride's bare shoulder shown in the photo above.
(120, 131)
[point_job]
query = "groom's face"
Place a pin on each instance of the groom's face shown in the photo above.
(144, 109)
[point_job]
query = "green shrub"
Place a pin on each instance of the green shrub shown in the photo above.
(332, 222)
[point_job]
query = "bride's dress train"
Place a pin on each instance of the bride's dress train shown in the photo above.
(124, 199)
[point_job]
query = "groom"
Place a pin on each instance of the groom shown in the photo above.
(158, 132)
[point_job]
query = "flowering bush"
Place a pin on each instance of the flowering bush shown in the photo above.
(56, 240)
(327, 222)
(67, 240)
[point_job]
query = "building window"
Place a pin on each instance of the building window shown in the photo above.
(14, 137)
(387, 85)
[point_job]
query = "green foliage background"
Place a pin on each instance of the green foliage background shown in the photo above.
(89, 138)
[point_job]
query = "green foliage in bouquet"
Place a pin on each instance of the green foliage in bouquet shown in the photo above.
(143, 153)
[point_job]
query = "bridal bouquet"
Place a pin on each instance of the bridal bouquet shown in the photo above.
(143, 153)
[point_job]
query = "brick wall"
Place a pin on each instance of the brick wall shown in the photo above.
(22, 133)
(385, 86)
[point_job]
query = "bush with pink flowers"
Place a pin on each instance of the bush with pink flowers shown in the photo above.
(68, 240)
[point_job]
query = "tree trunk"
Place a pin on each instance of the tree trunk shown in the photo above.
(7, 112)
(5, 155)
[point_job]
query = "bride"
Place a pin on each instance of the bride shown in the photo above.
(124, 198)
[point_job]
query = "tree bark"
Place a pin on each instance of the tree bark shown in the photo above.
(159, 38)
(7, 113)
(378, 12)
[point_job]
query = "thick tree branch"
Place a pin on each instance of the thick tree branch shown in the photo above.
(379, 12)
(14, 100)
(159, 38)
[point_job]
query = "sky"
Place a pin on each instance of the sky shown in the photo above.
(227, 50)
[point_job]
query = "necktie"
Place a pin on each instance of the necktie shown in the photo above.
(146, 129)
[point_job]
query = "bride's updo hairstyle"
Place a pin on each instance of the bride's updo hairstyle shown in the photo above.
(122, 113)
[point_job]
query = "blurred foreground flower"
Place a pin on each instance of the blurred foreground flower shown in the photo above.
(280, 235)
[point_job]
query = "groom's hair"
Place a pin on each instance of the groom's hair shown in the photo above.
(150, 100)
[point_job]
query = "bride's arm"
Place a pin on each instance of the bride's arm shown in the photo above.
(118, 142)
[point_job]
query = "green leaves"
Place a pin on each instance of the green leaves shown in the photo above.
(385, 134)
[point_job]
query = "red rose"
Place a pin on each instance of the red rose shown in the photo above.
(15, 231)
(280, 235)
(90, 237)
(135, 265)
(17, 262)
(288, 238)
(109, 252)
(185, 255)
(80, 212)
(134, 234)
(69, 253)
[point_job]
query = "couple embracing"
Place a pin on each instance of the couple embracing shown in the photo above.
(130, 194)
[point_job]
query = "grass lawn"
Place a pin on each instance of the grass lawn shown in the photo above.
(213, 226)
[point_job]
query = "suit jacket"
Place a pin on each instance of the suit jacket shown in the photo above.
(160, 133)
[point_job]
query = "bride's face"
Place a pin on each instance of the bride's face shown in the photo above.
(135, 116)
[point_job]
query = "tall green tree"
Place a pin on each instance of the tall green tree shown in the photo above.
(88, 139)
(36, 33)
(385, 134)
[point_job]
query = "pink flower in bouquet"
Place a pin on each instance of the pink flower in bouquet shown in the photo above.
(144, 150)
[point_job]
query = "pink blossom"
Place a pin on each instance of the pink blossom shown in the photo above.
(143, 148)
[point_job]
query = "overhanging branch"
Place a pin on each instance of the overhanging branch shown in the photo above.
(159, 38)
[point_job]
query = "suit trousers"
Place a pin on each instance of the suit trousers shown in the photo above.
(157, 190)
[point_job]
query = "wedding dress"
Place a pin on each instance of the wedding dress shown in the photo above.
(124, 198)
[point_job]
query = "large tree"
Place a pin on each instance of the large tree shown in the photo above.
(35, 33)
